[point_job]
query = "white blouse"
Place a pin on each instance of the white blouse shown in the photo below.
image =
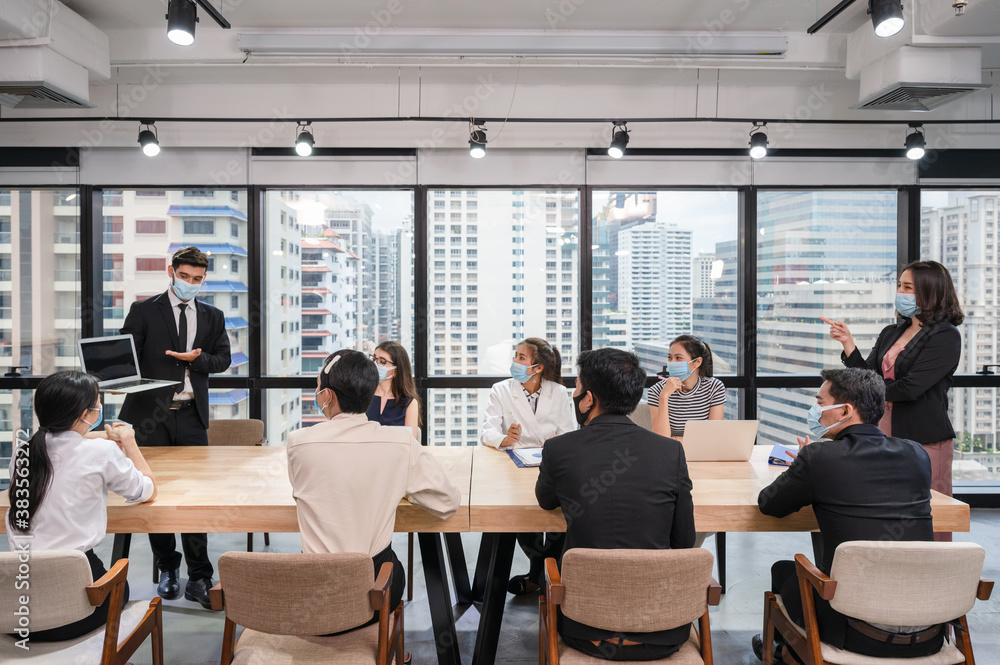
(74, 513)
(551, 416)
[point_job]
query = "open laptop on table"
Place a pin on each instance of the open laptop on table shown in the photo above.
(115, 364)
(719, 440)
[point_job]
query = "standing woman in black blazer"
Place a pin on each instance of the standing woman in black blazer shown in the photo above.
(917, 358)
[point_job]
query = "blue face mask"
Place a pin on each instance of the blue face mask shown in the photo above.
(817, 428)
(318, 406)
(519, 372)
(383, 372)
(906, 305)
(184, 290)
(679, 370)
(100, 417)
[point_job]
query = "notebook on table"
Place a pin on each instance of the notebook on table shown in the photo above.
(114, 362)
(525, 457)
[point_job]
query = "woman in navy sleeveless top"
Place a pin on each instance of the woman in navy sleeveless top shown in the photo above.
(396, 402)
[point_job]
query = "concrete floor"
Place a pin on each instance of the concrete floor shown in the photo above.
(193, 635)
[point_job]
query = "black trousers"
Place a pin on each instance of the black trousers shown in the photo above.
(538, 547)
(610, 651)
(833, 626)
(87, 624)
(180, 428)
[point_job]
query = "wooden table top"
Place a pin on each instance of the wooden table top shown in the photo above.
(724, 493)
(233, 489)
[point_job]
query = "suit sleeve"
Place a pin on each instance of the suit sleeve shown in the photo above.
(135, 325)
(214, 358)
(871, 362)
(682, 532)
(545, 490)
(493, 430)
(792, 490)
(934, 362)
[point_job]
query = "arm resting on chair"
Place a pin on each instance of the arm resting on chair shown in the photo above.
(99, 590)
(379, 592)
(714, 592)
(808, 571)
(218, 597)
(985, 590)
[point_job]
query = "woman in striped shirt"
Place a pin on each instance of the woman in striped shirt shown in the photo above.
(691, 392)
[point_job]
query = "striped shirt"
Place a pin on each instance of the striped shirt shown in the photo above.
(692, 405)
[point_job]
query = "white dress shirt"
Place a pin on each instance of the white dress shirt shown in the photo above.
(550, 416)
(348, 476)
(74, 513)
(192, 321)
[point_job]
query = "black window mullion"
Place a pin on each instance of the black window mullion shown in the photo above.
(747, 300)
(586, 270)
(91, 262)
(907, 225)
(256, 295)
(421, 320)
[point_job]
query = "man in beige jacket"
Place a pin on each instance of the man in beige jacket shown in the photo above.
(349, 474)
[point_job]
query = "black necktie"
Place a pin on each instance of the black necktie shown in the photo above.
(182, 336)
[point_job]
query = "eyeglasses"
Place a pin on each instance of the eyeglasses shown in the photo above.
(384, 362)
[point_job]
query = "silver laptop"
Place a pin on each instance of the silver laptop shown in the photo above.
(719, 440)
(114, 362)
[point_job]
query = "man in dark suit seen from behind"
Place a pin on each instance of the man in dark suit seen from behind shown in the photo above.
(177, 338)
(862, 485)
(620, 487)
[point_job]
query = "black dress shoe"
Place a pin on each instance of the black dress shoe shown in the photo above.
(168, 588)
(197, 590)
(757, 644)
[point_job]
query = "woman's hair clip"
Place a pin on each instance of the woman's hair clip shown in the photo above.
(329, 365)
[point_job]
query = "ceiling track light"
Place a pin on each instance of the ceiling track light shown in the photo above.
(477, 140)
(887, 17)
(182, 15)
(758, 141)
(915, 143)
(619, 140)
(148, 139)
(304, 138)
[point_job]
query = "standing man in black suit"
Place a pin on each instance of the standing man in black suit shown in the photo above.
(181, 339)
(862, 485)
(620, 487)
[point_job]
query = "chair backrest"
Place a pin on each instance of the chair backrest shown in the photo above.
(56, 586)
(906, 583)
(640, 416)
(297, 594)
(636, 590)
(235, 432)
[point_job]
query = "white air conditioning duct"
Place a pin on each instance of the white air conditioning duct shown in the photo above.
(49, 55)
(920, 78)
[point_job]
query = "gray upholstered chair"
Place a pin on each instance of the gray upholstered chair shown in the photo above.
(61, 592)
(895, 584)
(629, 591)
(285, 601)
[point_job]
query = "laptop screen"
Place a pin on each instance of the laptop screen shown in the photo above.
(109, 359)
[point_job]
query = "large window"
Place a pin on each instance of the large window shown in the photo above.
(39, 295)
(665, 264)
(339, 274)
(959, 229)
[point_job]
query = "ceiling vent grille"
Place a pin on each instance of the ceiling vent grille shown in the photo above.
(918, 96)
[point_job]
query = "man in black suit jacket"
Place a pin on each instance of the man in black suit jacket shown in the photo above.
(620, 487)
(862, 485)
(177, 338)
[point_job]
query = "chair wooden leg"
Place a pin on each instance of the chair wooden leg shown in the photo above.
(705, 636)
(409, 566)
(249, 542)
(156, 637)
(964, 643)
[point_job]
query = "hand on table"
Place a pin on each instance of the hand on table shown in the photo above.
(188, 356)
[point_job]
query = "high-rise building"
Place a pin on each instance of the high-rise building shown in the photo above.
(702, 284)
(962, 235)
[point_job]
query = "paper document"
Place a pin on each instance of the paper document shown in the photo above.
(779, 455)
(529, 456)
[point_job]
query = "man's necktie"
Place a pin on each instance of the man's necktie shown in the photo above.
(182, 335)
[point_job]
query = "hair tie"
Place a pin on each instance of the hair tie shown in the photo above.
(43, 430)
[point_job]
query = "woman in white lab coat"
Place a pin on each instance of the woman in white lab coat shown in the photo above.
(524, 411)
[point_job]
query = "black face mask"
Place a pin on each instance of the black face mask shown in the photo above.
(581, 418)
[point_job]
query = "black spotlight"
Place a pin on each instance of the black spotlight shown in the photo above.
(619, 141)
(304, 140)
(477, 143)
(887, 17)
(181, 17)
(148, 140)
(758, 141)
(915, 143)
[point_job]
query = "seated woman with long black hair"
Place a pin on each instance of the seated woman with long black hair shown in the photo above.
(71, 467)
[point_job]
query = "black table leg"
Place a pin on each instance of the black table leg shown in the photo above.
(120, 547)
(459, 568)
(439, 599)
(482, 570)
(720, 557)
(501, 554)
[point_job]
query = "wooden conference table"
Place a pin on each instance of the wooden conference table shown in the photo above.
(246, 489)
